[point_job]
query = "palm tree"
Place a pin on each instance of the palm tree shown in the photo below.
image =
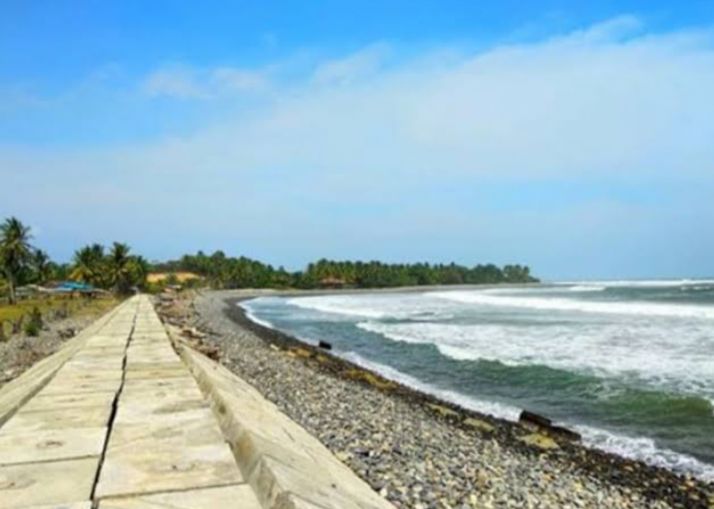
(15, 252)
(43, 266)
(88, 265)
(119, 267)
(139, 269)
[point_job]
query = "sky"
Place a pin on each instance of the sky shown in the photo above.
(575, 137)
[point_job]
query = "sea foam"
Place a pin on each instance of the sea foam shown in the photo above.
(560, 304)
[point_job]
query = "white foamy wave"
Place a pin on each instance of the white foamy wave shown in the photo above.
(587, 288)
(336, 305)
(675, 358)
(493, 408)
(644, 449)
(249, 312)
(398, 306)
(641, 283)
(559, 304)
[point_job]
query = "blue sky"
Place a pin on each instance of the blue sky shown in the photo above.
(572, 136)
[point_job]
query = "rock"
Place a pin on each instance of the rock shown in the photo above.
(443, 411)
(478, 424)
(540, 441)
(325, 345)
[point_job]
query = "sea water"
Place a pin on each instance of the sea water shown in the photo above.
(628, 364)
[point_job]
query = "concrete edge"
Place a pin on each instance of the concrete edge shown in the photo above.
(286, 466)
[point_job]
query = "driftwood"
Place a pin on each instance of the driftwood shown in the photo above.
(533, 420)
(536, 422)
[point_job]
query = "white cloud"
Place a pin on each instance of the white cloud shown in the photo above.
(346, 70)
(568, 106)
(175, 82)
(615, 29)
(607, 103)
(183, 82)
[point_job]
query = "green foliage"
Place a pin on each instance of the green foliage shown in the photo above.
(222, 271)
(33, 325)
(121, 271)
(118, 269)
(43, 266)
(89, 265)
(15, 253)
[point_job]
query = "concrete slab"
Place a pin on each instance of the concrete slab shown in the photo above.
(180, 429)
(84, 387)
(152, 409)
(145, 468)
(143, 384)
(52, 483)
(73, 375)
(29, 447)
(90, 417)
(238, 496)
(68, 401)
(71, 505)
(171, 364)
(158, 373)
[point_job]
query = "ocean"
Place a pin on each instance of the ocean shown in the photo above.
(628, 364)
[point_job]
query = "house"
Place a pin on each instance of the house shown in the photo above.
(332, 282)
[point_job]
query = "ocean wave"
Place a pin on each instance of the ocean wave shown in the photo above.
(398, 307)
(640, 283)
(646, 450)
(337, 305)
(501, 410)
(250, 313)
(587, 288)
(638, 448)
(582, 306)
(673, 359)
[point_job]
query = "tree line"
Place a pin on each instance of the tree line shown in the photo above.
(221, 271)
(117, 269)
(21, 263)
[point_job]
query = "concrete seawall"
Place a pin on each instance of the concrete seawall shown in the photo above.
(124, 417)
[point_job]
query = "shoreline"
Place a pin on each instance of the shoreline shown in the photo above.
(652, 483)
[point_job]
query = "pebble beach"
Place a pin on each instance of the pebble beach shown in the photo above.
(419, 452)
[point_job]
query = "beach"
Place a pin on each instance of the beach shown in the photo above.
(416, 450)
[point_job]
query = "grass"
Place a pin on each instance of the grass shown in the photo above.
(75, 307)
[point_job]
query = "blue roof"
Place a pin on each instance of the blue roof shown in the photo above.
(74, 286)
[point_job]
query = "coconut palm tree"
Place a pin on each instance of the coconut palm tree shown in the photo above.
(140, 269)
(15, 252)
(88, 265)
(43, 266)
(119, 267)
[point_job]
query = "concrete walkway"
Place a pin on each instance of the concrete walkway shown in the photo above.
(118, 419)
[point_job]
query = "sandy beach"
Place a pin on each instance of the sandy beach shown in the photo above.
(418, 451)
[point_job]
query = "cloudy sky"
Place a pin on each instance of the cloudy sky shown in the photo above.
(576, 138)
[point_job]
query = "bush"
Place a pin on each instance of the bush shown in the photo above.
(33, 326)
